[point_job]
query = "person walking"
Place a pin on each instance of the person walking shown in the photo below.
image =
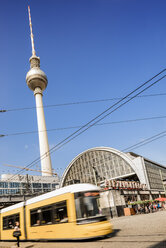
(17, 233)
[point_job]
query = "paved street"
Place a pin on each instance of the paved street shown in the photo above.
(142, 231)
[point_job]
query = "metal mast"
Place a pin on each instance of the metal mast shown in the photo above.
(37, 81)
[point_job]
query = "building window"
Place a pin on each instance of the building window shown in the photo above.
(46, 185)
(3, 185)
(37, 185)
(14, 185)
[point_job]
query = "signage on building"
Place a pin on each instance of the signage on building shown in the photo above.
(129, 185)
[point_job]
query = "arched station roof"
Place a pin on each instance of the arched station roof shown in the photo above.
(97, 164)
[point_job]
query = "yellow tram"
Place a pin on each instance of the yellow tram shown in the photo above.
(69, 213)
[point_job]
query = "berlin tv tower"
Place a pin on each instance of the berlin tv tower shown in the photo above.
(37, 81)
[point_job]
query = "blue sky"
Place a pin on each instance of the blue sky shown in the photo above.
(89, 50)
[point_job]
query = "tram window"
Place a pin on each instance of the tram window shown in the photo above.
(35, 217)
(60, 213)
(46, 215)
(51, 214)
(87, 206)
(9, 221)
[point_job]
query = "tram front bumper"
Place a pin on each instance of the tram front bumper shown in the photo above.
(95, 230)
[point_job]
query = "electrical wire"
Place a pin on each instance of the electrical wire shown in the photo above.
(60, 145)
(146, 141)
(77, 103)
(74, 127)
(99, 117)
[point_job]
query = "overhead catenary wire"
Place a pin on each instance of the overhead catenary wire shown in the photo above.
(146, 141)
(99, 124)
(141, 143)
(60, 145)
(77, 103)
(100, 117)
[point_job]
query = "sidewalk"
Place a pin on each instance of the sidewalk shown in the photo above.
(13, 245)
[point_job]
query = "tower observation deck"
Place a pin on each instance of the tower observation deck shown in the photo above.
(37, 81)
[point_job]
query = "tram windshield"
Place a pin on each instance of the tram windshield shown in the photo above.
(88, 207)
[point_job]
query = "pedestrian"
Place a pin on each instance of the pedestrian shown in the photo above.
(146, 209)
(139, 209)
(155, 207)
(17, 233)
(151, 208)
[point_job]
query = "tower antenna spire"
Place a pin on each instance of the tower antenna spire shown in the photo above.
(32, 40)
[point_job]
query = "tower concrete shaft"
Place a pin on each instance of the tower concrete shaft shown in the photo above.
(37, 81)
(43, 139)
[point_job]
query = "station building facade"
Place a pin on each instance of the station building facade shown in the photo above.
(124, 177)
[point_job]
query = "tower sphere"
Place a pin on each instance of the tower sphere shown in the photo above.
(35, 76)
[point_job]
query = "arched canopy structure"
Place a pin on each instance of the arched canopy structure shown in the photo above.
(97, 164)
